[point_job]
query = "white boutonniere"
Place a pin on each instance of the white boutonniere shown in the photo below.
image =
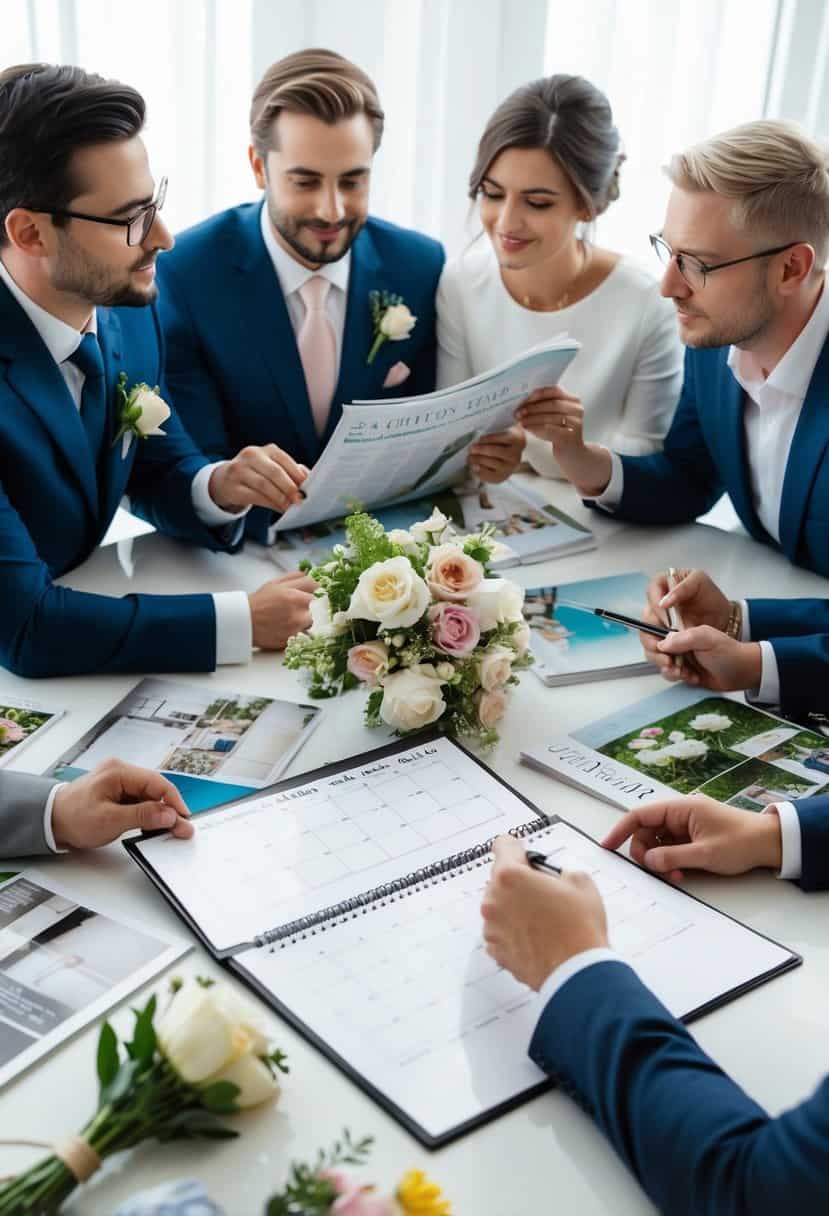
(141, 412)
(391, 319)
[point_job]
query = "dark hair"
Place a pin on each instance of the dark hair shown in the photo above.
(47, 112)
(317, 82)
(571, 119)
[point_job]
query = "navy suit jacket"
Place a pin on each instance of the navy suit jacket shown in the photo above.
(697, 1143)
(704, 455)
(799, 634)
(55, 507)
(232, 361)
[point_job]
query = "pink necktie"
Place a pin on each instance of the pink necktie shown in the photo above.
(318, 349)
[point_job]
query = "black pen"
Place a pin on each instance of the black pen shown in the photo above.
(629, 622)
(538, 861)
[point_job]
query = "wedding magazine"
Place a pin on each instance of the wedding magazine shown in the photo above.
(212, 744)
(386, 452)
(349, 898)
(571, 646)
(63, 965)
(688, 741)
(20, 721)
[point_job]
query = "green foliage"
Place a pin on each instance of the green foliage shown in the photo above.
(308, 1194)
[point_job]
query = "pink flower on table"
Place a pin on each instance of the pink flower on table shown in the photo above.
(362, 1201)
(11, 732)
(491, 707)
(368, 660)
(455, 629)
(451, 573)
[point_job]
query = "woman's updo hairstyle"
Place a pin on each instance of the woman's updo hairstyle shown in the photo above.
(571, 119)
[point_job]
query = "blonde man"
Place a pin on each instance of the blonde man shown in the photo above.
(744, 246)
(267, 307)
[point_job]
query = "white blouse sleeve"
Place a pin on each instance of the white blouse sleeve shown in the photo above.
(656, 383)
(453, 357)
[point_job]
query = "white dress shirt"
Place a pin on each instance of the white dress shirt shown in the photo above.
(628, 374)
(292, 275)
(234, 628)
(790, 868)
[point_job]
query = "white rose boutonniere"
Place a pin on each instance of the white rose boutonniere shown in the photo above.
(391, 320)
(141, 411)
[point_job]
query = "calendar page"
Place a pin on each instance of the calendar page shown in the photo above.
(407, 998)
(309, 844)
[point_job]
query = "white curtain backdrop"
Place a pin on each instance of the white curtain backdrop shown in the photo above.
(674, 70)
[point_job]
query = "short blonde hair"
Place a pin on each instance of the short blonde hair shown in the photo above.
(777, 175)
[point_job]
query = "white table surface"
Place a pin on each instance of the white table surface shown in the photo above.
(544, 1157)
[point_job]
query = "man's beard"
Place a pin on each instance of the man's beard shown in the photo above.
(95, 282)
(737, 331)
(290, 230)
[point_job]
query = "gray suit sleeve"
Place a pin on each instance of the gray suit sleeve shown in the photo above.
(22, 801)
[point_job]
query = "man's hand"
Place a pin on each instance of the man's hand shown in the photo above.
(97, 808)
(557, 416)
(258, 477)
(280, 608)
(495, 457)
(532, 922)
(697, 833)
(719, 662)
(698, 600)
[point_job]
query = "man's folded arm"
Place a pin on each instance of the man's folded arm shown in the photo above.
(697, 1143)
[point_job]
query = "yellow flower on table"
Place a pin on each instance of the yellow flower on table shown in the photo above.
(417, 1195)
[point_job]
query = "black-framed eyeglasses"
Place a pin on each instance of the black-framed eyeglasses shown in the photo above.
(694, 271)
(138, 226)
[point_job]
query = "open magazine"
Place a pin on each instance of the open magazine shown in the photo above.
(390, 451)
(689, 741)
(212, 744)
(528, 528)
(20, 721)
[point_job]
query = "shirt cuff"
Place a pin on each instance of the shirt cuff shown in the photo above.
(47, 819)
(791, 857)
(234, 627)
(211, 515)
(579, 962)
(611, 496)
(769, 691)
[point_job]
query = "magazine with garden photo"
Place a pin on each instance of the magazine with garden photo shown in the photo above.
(685, 741)
(213, 745)
(20, 721)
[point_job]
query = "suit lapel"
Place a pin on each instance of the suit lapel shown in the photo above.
(357, 335)
(269, 332)
(807, 451)
(37, 380)
(113, 468)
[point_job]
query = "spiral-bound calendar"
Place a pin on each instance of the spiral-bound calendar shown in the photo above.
(349, 898)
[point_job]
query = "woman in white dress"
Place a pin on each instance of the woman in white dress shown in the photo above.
(547, 166)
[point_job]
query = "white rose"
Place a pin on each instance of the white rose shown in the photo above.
(399, 536)
(521, 638)
(710, 722)
(686, 749)
(495, 668)
(198, 1036)
(154, 411)
(255, 1081)
(412, 698)
(655, 759)
(676, 736)
(397, 322)
(323, 624)
(496, 600)
(391, 592)
(431, 530)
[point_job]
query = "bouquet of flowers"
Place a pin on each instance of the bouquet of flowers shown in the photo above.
(324, 1189)
(417, 617)
(207, 1055)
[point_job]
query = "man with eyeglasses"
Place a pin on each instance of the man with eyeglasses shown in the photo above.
(79, 238)
(744, 247)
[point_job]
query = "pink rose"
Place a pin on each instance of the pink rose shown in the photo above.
(367, 660)
(455, 629)
(491, 707)
(362, 1201)
(10, 732)
(451, 573)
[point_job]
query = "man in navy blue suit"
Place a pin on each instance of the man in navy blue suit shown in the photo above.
(775, 650)
(272, 310)
(79, 237)
(696, 1142)
(744, 244)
